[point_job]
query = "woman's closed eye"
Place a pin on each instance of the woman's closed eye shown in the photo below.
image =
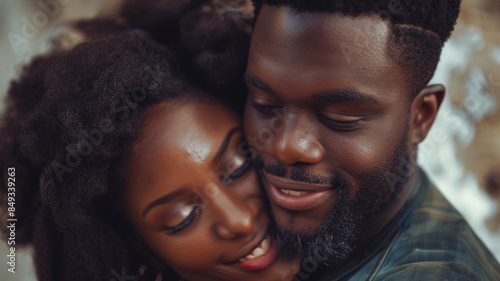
(241, 167)
(188, 213)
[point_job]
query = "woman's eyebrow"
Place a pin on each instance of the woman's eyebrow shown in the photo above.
(163, 200)
(225, 143)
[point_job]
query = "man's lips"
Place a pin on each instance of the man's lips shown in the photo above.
(296, 196)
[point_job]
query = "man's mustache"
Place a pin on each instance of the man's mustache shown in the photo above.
(296, 174)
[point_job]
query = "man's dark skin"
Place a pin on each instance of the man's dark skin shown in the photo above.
(325, 98)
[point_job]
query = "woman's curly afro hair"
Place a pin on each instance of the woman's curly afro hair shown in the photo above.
(72, 113)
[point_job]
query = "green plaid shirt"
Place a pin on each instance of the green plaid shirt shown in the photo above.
(427, 240)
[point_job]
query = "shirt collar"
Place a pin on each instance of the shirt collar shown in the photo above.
(388, 234)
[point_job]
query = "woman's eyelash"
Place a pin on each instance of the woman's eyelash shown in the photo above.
(185, 223)
(243, 168)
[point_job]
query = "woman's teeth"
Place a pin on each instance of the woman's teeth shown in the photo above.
(294, 193)
(257, 252)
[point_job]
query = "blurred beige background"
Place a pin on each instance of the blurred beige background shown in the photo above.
(461, 154)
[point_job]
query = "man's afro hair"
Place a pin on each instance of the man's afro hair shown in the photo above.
(419, 29)
(438, 16)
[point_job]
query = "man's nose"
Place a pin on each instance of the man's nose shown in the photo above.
(296, 142)
(233, 217)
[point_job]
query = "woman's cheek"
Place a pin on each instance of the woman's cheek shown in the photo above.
(187, 251)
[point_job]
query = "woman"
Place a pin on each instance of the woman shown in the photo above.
(126, 170)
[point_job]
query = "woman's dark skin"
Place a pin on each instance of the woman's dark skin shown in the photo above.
(72, 211)
(194, 198)
(170, 141)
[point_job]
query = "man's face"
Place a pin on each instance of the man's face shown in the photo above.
(328, 113)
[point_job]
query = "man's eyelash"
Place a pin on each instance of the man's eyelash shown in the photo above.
(263, 107)
(337, 124)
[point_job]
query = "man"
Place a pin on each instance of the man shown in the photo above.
(338, 103)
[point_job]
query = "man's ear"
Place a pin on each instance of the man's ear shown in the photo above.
(424, 109)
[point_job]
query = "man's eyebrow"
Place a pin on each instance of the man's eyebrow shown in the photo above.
(225, 143)
(251, 79)
(347, 95)
(163, 200)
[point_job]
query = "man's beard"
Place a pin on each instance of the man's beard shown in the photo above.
(334, 240)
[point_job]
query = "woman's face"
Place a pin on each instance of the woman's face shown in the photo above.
(194, 197)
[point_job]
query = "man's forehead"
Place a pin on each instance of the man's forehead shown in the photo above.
(282, 24)
(319, 48)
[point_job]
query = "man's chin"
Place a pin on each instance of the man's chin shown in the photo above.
(328, 248)
(294, 222)
(298, 228)
(329, 240)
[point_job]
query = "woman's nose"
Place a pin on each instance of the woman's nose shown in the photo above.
(234, 218)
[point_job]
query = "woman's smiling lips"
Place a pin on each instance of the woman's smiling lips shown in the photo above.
(261, 257)
(296, 196)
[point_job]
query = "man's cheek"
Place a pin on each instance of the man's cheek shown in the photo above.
(260, 137)
(368, 152)
(257, 131)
